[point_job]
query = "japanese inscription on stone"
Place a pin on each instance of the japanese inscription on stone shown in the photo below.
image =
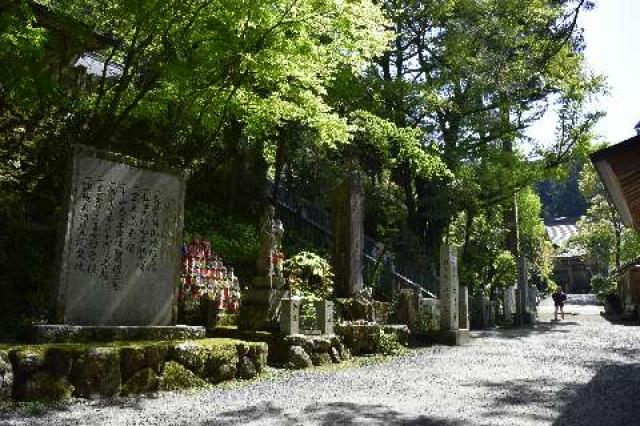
(449, 289)
(121, 255)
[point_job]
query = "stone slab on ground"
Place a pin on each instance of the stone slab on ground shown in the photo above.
(52, 333)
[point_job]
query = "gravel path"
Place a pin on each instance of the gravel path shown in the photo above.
(582, 371)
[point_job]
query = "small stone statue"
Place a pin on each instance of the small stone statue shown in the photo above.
(265, 262)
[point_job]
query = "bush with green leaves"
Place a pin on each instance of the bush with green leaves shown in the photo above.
(388, 344)
(309, 275)
(603, 287)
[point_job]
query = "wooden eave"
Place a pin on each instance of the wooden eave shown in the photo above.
(619, 169)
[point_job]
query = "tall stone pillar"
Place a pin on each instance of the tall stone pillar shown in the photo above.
(348, 234)
(463, 307)
(509, 302)
(523, 316)
(450, 332)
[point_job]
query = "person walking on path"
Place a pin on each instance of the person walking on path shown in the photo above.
(559, 298)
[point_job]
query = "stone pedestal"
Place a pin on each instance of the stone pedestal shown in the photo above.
(450, 332)
(260, 306)
(348, 234)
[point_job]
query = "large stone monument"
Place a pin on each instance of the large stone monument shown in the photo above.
(120, 261)
(450, 332)
(348, 228)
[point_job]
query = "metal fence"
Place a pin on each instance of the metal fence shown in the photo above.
(314, 224)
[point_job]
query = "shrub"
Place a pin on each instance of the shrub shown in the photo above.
(603, 287)
(388, 344)
(309, 275)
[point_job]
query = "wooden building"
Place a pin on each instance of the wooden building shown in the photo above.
(628, 278)
(619, 169)
(570, 271)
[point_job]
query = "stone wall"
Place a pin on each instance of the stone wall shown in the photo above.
(59, 372)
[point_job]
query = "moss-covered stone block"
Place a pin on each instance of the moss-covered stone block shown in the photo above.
(298, 358)
(132, 360)
(191, 355)
(6, 376)
(96, 373)
(144, 381)
(58, 361)
(246, 368)
(26, 361)
(176, 377)
(320, 358)
(155, 356)
(42, 386)
(259, 353)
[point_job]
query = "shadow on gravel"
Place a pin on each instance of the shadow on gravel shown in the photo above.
(610, 398)
(342, 413)
(541, 327)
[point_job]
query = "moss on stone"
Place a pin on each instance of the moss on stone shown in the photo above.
(144, 381)
(41, 386)
(176, 377)
(97, 373)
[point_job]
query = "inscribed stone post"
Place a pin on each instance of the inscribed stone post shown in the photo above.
(120, 261)
(509, 297)
(290, 316)
(449, 288)
(348, 219)
(463, 306)
(523, 294)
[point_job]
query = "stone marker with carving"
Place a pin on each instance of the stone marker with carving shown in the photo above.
(120, 261)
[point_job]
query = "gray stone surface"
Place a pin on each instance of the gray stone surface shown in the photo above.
(581, 371)
(246, 368)
(290, 316)
(449, 289)
(509, 303)
(97, 373)
(348, 228)
(298, 358)
(83, 334)
(6, 376)
(522, 294)
(121, 253)
(463, 307)
(324, 316)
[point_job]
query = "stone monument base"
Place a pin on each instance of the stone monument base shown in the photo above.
(51, 333)
(260, 304)
(450, 337)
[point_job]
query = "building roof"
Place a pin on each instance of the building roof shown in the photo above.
(634, 263)
(619, 169)
(94, 65)
(559, 231)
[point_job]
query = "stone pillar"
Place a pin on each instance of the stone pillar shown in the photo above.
(348, 234)
(449, 289)
(324, 316)
(522, 309)
(508, 300)
(450, 332)
(290, 316)
(463, 307)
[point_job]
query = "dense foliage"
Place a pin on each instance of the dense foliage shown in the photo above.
(602, 237)
(429, 101)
